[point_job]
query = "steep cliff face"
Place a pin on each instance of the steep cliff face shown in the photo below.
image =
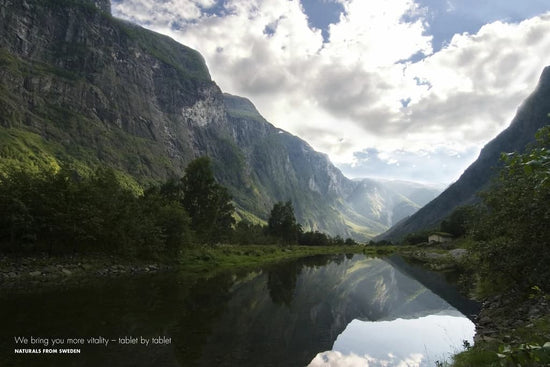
(532, 115)
(80, 87)
(286, 167)
(90, 83)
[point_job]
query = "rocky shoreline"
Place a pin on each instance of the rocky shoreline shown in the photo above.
(502, 315)
(503, 318)
(31, 272)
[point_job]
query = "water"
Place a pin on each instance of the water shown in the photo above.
(322, 311)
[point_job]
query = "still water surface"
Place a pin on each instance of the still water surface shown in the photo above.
(339, 310)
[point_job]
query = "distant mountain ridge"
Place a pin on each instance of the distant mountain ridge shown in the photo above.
(532, 115)
(80, 87)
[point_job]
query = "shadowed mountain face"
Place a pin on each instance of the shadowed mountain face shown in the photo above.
(532, 115)
(80, 87)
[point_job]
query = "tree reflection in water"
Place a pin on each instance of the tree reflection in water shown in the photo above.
(282, 315)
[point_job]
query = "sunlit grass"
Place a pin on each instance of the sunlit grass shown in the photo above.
(207, 259)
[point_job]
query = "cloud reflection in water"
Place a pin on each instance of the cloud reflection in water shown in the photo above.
(398, 343)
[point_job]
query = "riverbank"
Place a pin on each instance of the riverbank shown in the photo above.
(209, 260)
(509, 326)
(512, 328)
(39, 272)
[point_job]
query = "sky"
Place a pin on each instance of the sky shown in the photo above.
(399, 89)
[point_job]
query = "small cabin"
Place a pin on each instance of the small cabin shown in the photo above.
(440, 237)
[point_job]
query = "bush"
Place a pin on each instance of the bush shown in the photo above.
(514, 235)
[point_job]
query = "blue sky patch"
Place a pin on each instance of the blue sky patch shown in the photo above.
(322, 13)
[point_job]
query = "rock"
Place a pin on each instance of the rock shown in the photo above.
(485, 320)
(458, 253)
(433, 255)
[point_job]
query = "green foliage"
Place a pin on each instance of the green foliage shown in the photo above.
(527, 354)
(247, 233)
(513, 236)
(475, 357)
(171, 219)
(460, 221)
(504, 355)
(208, 203)
(416, 238)
(282, 223)
(313, 239)
(62, 211)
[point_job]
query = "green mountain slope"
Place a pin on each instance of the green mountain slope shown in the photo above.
(80, 87)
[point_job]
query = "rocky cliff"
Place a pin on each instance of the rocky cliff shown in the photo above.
(80, 87)
(532, 115)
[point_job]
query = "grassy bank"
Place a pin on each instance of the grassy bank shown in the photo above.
(41, 271)
(212, 259)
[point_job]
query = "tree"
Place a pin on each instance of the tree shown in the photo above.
(282, 223)
(170, 218)
(311, 238)
(514, 235)
(207, 203)
(460, 220)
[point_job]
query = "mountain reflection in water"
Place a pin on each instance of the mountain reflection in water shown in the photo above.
(324, 310)
(287, 314)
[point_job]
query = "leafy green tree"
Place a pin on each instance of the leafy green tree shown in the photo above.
(416, 238)
(460, 220)
(514, 235)
(170, 220)
(311, 238)
(16, 221)
(282, 223)
(207, 202)
(338, 241)
(350, 242)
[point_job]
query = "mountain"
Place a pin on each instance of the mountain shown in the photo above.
(81, 88)
(289, 167)
(532, 115)
(389, 201)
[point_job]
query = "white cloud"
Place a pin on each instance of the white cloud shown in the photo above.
(345, 95)
(338, 359)
(429, 166)
(373, 34)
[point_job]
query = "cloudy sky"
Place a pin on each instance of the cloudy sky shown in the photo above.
(407, 89)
